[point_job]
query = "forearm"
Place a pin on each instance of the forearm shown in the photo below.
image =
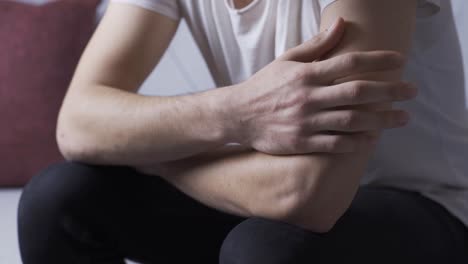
(235, 179)
(305, 190)
(103, 121)
(318, 203)
(337, 182)
(103, 125)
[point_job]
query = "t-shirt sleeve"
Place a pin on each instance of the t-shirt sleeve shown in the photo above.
(169, 8)
(426, 8)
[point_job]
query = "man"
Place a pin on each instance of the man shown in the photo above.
(167, 187)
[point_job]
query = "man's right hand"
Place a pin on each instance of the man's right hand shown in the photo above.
(296, 106)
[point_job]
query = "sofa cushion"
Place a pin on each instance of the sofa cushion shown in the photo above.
(39, 49)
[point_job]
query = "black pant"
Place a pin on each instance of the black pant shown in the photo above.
(76, 213)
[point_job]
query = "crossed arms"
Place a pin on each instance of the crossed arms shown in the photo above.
(303, 176)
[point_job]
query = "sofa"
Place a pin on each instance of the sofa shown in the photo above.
(36, 64)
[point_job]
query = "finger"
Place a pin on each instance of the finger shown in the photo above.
(337, 143)
(362, 92)
(318, 46)
(355, 63)
(358, 121)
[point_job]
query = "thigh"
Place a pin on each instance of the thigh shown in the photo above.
(385, 225)
(382, 226)
(163, 225)
(100, 211)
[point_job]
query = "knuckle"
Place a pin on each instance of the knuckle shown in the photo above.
(296, 133)
(290, 54)
(301, 129)
(300, 73)
(349, 119)
(357, 90)
(300, 98)
(294, 101)
(313, 124)
(295, 141)
(313, 100)
(345, 143)
(319, 37)
(285, 56)
(337, 143)
(313, 71)
(313, 103)
(352, 60)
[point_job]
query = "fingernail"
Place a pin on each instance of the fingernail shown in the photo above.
(409, 91)
(372, 137)
(403, 118)
(399, 59)
(412, 90)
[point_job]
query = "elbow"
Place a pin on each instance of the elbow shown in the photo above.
(70, 141)
(309, 214)
(307, 218)
(317, 223)
(69, 151)
(304, 203)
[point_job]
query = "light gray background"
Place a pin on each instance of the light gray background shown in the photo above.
(180, 71)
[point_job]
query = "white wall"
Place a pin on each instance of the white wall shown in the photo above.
(460, 11)
(181, 69)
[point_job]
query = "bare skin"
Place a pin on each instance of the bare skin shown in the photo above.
(323, 184)
(239, 4)
(103, 121)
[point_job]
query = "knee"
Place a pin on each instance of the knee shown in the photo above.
(258, 241)
(61, 208)
(51, 192)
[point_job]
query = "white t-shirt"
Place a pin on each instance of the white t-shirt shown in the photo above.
(430, 155)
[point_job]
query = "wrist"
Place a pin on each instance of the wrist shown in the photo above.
(227, 106)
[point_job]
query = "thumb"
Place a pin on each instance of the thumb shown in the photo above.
(318, 46)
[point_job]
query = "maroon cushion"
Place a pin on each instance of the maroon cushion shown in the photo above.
(39, 49)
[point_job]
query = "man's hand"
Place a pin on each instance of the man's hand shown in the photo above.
(295, 104)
